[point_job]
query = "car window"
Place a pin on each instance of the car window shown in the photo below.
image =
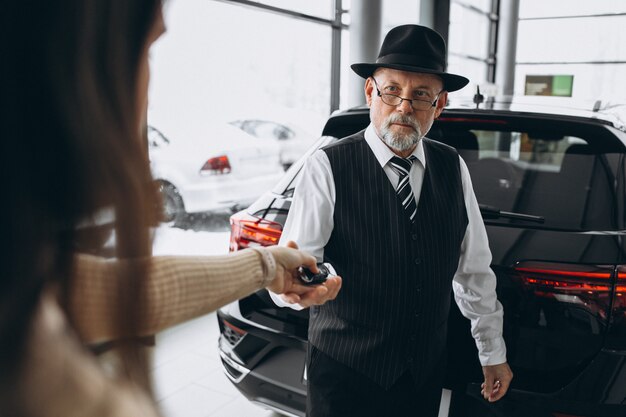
(570, 175)
(265, 130)
(156, 139)
(564, 178)
(283, 132)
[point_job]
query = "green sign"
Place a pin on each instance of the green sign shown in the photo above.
(549, 85)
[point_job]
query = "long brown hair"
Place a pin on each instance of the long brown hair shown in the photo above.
(70, 147)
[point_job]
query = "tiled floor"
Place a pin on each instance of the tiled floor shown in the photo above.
(188, 378)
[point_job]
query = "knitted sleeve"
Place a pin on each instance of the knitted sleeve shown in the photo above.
(179, 288)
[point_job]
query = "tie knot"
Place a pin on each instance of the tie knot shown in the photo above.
(403, 165)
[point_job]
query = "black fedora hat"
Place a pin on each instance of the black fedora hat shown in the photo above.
(414, 48)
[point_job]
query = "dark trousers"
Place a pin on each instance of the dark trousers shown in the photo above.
(335, 390)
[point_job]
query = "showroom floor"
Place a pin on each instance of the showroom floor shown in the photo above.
(188, 378)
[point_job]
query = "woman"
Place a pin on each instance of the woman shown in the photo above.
(74, 96)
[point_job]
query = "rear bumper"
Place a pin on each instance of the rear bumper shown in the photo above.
(274, 383)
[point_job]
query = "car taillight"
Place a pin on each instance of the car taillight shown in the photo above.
(616, 338)
(249, 231)
(589, 287)
(231, 333)
(216, 166)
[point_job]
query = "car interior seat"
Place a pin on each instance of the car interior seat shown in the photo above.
(464, 141)
(496, 182)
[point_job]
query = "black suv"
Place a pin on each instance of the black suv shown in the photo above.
(561, 270)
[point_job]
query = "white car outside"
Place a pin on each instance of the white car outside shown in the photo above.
(226, 169)
(293, 140)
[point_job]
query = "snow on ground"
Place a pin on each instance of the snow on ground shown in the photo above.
(174, 241)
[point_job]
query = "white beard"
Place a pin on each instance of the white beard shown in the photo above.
(401, 142)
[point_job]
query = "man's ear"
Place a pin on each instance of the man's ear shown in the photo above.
(369, 90)
(441, 103)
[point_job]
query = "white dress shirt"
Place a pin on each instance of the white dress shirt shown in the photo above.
(310, 224)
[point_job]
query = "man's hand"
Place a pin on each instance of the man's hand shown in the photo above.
(288, 284)
(315, 294)
(497, 381)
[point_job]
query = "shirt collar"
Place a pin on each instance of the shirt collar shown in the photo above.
(382, 152)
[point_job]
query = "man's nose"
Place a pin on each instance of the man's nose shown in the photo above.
(405, 106)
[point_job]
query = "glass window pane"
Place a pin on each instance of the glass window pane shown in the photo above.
(547, 175)
(554, 173)
(591, 82)
(399, 12)
(319, 8)
(484, 5)
(219, 67)
(245, 62)
(542, 8)
(469, 32)
(476, 71)
(602, 39)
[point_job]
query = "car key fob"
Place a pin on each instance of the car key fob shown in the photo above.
(310, 278)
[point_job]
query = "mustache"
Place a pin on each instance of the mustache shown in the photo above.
(403, 119)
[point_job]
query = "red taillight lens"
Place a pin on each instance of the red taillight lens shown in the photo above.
(575, 278)
(234, 328)
(247, 231)
(231, 333)
(619, 303)
(565, 277)
(588, 286)
(216, 166)
(621, 279)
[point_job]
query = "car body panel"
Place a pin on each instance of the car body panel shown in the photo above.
(292, 140)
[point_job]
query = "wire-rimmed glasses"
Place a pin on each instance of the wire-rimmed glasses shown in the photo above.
(416, 103)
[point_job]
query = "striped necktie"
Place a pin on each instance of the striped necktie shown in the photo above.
(402, 167)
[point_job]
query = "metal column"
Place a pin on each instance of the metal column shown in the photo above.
(365, 39)
(507, 46)
(435, 14)
(335, 62)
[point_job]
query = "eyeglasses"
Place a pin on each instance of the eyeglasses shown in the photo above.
(416, 103)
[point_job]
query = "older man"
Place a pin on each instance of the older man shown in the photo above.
(396, 215)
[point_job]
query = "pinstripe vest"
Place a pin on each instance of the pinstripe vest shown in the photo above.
(391, 313)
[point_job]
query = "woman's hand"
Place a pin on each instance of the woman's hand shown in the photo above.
(288, 260)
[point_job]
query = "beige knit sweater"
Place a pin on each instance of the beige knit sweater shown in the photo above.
(61, 379)
(180, 288)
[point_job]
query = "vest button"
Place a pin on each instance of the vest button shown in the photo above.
(414, 236)
(417, 261)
